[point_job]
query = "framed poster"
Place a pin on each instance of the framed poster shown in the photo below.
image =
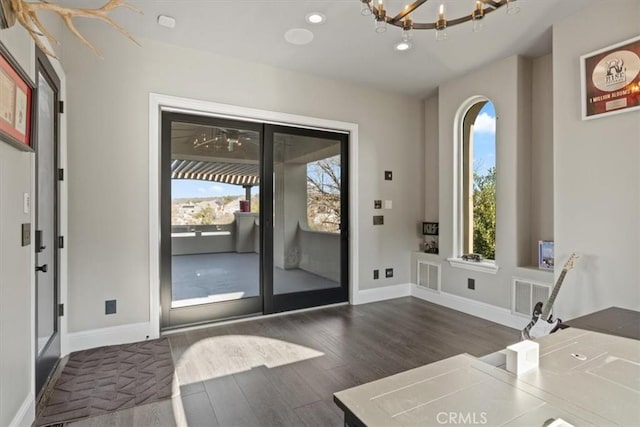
(611, 80)
(16, 103)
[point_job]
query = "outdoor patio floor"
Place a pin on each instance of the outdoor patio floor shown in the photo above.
(225, 276)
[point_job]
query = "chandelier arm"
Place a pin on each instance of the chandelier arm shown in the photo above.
(424, 26)
(413, 6)
(450, 22)
(396, 21)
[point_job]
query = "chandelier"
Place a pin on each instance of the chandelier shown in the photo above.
(403, 19)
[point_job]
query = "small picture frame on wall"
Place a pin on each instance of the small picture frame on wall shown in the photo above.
(610, 80)
(16, 103)
(430, 244)
(546, 258)
(430, 228)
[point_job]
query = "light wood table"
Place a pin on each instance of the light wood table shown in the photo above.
(586, 378)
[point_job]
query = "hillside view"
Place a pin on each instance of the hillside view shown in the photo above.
(206, 203)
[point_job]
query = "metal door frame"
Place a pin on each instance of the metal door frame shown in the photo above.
(46, 362)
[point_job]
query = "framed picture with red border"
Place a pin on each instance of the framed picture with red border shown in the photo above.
(16, 103)
(611, 79)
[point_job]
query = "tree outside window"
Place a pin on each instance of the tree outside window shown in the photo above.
(479, 180)
(323, 195)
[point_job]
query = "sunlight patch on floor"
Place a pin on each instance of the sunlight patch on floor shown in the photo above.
(219, 356)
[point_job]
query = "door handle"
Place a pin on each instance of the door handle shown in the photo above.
(42, 268)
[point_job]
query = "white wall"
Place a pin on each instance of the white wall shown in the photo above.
(16, 323)
(431, 159)
(511, 96)
(597, 164)
(108, 113)
(16, 264)
(590, 167)
(541, 154)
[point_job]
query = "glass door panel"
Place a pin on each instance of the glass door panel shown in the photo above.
(309, 217)
(212, 229)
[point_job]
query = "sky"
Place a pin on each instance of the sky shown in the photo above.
(186, 188)
(484, 139)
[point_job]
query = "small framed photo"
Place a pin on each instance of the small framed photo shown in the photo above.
(16, 93)
(430, 244)
(610, 79)
(546, 259)
(430, 228)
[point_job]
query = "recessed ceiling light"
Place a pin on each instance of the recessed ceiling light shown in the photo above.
(402, 46)
(298, 36)
(166, 21)
(315, 18)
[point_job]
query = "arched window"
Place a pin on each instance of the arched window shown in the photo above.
(477, 179)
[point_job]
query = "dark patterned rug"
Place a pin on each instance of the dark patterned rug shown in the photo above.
(105, 379)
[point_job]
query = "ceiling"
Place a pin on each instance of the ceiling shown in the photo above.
(231, 155)
(346, 47)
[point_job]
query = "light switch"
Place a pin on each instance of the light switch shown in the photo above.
(26, 203)
(388, 204)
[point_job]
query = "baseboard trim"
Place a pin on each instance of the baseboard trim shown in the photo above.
(26, 414)
(486, 311)
(380, 294)
(115, 335)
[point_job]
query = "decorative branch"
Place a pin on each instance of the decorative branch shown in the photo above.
(26, 14)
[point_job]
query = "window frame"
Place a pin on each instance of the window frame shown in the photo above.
(458, 220)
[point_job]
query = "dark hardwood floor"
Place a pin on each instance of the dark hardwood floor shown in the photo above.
(283, 371)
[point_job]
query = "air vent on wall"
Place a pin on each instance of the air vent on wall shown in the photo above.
(525, 295)
(428, 276)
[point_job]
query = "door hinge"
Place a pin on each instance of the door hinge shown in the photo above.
(60, 310)
(60, 242)
(60, 174)
(61, 107)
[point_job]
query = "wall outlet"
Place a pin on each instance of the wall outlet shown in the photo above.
(376, 274)
(388, 272)
(378, 220)
(471, 283)
(110, 306)
(377, 204)
(388, 175)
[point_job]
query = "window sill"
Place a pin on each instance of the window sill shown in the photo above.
(489, 267)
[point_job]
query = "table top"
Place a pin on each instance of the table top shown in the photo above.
(583, 377)
(614, 320)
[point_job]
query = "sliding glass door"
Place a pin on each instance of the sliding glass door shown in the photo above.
(253, 218)
(308, 239)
